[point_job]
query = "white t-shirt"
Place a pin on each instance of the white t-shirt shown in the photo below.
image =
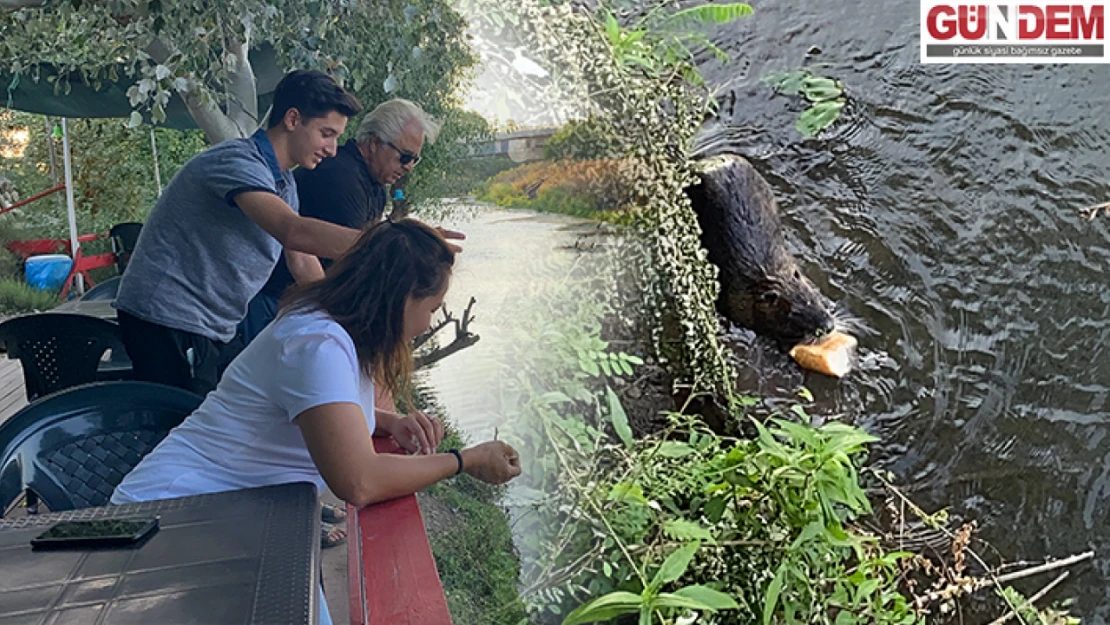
(243, 435)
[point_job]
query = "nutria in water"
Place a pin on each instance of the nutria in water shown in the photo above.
(761, 286)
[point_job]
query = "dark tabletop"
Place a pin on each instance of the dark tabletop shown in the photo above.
(247, 556)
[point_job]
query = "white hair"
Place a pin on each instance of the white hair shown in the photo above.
(387, 121)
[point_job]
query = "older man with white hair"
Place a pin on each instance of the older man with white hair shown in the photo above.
(349, 190)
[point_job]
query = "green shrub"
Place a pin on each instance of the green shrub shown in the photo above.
(17, 296)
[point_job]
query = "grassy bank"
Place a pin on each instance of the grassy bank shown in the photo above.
(595, 189)
(471, 540)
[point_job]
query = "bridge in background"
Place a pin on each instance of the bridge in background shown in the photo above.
(521, 146)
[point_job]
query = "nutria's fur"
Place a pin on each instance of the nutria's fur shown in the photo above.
(761, 287)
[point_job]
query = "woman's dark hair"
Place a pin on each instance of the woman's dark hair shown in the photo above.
(366, 289)
(314, 94)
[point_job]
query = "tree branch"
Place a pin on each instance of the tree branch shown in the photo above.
(210, 119)
(463, 337)
(242, 104)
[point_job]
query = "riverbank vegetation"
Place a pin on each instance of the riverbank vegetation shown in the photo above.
(651, 511)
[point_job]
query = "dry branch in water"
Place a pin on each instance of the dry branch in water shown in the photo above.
(463, 336)
(1090, 212)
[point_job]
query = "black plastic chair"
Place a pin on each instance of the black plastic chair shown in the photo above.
(106, 290)
(58, 350)
(71, 449)
(124, 238)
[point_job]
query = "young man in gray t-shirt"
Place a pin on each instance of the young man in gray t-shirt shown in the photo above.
(216, 233)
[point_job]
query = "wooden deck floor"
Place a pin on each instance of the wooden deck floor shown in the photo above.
(12, 395)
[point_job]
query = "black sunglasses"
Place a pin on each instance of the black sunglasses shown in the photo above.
(406, 157)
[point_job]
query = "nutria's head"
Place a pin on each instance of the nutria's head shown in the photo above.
(761, 286)
(782, 305)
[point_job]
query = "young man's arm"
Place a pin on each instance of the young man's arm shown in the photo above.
(303, 267)
(296, 233)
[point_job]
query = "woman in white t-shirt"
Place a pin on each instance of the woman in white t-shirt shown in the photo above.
(298, 403)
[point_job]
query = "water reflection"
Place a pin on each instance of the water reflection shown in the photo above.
(943, 210)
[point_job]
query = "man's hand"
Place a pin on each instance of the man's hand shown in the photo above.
(416, 432)
(449, 235)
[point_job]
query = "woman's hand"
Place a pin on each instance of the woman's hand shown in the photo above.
(494, 462)
(416, 432)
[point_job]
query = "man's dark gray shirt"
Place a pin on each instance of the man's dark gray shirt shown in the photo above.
(200, 259)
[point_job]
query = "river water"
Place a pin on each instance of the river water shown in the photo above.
(942, 210)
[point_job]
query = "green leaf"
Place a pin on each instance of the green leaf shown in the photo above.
(818, 117)
(627, 491)
(706, 15)
(612, 28)
(715, 599)
(135, 121)
(674, 449)
(619, 418)
(800, 410)
(605, 366)
(681, 529)
(788, 82)
(866, 589)
(715, 509)
(817, 89)
(798, 433)
(770, 601)
(625, 367)
(605, 608)
(675, 564)
(811, 531)
(554, 397)
(589, 366)
(845, 618)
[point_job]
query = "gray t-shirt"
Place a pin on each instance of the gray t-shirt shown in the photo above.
(200, 259)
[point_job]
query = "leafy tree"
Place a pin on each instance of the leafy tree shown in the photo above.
(199, 51)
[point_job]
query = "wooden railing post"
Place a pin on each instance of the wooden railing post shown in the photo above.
(390, 569)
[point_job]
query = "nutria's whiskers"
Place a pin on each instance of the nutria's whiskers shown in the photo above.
(845, 321)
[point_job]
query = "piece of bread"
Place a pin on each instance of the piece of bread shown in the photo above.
(832, 355)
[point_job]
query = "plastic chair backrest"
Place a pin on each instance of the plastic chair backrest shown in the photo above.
(106, 290)
(124, 238)
(74, 447)
(58, 350)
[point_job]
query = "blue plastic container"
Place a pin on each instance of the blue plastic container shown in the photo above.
(47, 272)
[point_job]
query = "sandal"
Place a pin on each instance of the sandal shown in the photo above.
(332, 536)
(332, 514)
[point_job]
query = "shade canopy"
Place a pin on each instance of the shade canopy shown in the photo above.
(22, 93)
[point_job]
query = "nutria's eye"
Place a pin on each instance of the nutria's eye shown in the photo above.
(819, 332)
(797, 275)
(769, 297)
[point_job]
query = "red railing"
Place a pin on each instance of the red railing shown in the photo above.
(391, 573)
(32, 199)
(81, 264)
